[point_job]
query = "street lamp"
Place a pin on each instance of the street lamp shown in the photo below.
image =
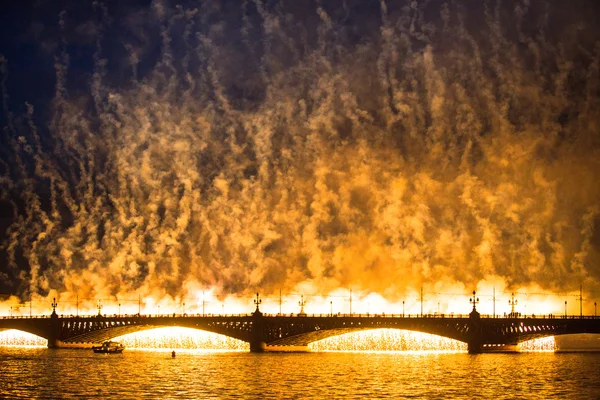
(402, 308)
(512, 303)
(331, 308)
(301, 303)
(184, 308)
(54, 304)
(594, 309)
(119, 309)
(474, 300)
(11, 311)
(257, 302)
(565, 309)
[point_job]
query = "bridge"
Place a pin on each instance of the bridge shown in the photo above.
(294, 332)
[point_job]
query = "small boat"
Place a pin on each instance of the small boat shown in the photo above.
(109, 348)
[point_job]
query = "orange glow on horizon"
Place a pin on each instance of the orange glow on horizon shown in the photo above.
(441, 299)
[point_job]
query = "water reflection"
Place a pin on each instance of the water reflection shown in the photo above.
(47, 373)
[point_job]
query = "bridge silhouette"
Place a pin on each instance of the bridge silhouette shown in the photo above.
(294, 332)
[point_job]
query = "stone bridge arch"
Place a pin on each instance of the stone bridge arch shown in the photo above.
(38, 326)
(299, 332)
(305, 339)
(87, 331)
(20, 338)
(110, 332)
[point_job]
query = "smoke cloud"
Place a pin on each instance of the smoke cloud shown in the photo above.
(257, 146)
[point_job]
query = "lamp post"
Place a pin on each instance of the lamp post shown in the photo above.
(11, 311)
(494, 304)
(331, 308)
(99, 306)
(565, 309)
(54, 306)
(350, 302)
(119, 309)
(302, 303)
(402, 308)
(594, 309)
(580, 301)
(184, 308)
(474, 300)
(512, 303)
(257, 302)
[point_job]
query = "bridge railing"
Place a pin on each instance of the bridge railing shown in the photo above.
(321, 315)
(436, 315)
(371, 315)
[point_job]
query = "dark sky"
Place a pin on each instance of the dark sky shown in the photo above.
(30, 39)
(30, 35)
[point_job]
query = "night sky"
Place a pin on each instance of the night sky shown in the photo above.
(243, 146)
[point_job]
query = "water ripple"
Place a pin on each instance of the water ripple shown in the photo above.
(72, 374)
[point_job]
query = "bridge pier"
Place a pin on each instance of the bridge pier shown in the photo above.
(475, 347)
(54, 331)
(475, 342)
(257, 346)
(257, 339)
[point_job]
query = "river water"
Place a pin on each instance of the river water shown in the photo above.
(136, 374)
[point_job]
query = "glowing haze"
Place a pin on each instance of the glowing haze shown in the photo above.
(238, 147)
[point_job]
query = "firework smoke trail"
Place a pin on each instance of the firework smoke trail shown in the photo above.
(417, 145)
